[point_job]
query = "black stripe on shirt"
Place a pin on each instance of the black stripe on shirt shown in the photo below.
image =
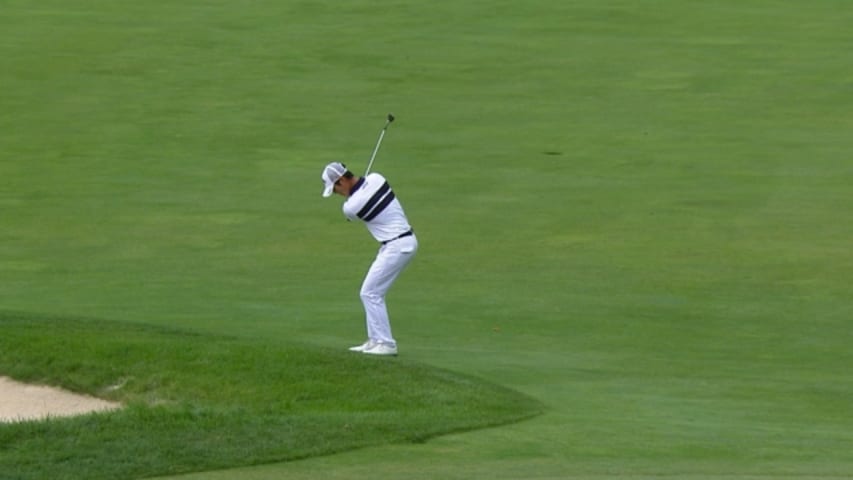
(371, 203)
(379, 208)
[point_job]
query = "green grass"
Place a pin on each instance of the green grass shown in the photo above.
(638, 213)
(199, 402)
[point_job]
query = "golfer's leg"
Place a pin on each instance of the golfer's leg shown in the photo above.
(384, 270)
(376, 284)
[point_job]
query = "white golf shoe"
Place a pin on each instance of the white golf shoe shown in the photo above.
(380, 349)
(364, 346)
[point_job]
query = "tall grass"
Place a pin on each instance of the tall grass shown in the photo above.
(200, 402)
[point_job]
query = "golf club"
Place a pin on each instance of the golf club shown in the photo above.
(378, 142)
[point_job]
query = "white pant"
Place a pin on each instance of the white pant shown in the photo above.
(390, 261)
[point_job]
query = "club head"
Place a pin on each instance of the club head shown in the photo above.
(390, 118)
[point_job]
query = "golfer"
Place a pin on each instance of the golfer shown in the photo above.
(371, 200)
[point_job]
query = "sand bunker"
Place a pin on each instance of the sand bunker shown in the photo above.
(20, 402)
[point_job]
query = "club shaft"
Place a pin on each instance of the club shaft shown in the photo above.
(376, 149)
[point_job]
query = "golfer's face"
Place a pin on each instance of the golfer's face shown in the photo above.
(341, 188)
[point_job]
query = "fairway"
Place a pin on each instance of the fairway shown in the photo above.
(635, 223)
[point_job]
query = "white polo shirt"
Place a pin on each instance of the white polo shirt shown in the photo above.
(373, 202)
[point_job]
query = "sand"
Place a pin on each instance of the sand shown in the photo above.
(21, 402)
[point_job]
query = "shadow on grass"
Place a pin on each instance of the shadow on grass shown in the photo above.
(199, 402)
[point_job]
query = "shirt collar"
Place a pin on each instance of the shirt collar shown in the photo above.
(357, 185)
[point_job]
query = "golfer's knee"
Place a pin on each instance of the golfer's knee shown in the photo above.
(370, 296)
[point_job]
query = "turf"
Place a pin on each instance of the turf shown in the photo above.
(636, 212)
(200, 402)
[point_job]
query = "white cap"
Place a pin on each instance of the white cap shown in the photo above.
(331, 174)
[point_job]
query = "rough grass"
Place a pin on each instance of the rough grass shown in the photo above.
(199, 402)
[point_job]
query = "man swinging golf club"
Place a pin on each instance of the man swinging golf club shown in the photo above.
(371, 200)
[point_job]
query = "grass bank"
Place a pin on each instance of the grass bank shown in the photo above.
(200, 402)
